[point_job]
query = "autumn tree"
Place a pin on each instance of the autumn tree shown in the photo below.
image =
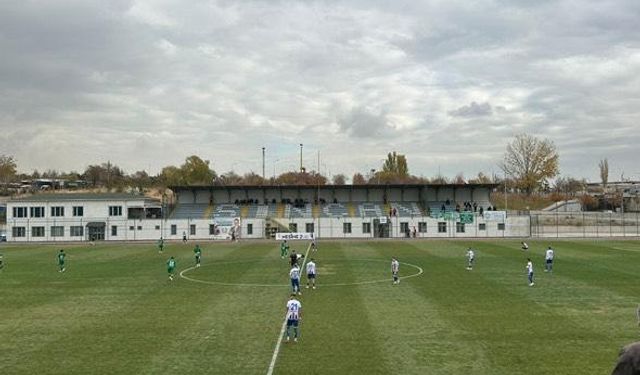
(530, 162)
(196, 171)
(394, 169)
(481, 178)
(604, 172)
(358, 179)
(8, 168)
(252, 179)
(339, 179)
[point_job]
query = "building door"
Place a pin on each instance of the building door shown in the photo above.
(95, 231)
(381, 229)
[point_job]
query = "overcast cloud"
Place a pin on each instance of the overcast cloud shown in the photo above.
(448, 83)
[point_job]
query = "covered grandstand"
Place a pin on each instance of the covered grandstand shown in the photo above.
(347, 210)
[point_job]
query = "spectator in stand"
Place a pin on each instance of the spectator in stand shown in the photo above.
(481, 211)
(475, 206)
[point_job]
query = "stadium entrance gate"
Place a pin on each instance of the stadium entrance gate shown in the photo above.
(95, 231)
(382, 229)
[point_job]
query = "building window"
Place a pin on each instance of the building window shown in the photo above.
(500, 226)
(212, 229)
(309, 227)
(76, 231)
(20, 212)
(192, 229)
(57, 231)
(18, 231)
(37, 211)
(114, 231)
(346, 227)
(174, 229)
(422, 227)
(249, 229)
(57, 211)
(442, 227)
(366, 227)
(139, 227)
(157, 227)
(132, 227)
(482, 226)
(115, 210)
(78, 211)
(37, 231)
(459, 227)
(293, 227)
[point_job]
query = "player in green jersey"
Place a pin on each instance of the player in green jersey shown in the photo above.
(284, 249)
(161, 245)
(171, 267)
(61, 257)
(198, 253)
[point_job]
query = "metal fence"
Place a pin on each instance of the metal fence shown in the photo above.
(585, 224)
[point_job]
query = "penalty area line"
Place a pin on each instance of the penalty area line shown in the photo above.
(276, 351)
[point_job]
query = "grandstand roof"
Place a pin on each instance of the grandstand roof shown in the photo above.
(366, 186)
(82, 197)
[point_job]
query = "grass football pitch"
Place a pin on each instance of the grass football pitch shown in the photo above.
(114, 311)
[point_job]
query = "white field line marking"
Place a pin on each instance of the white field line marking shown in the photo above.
(182, 275)
(272, 365)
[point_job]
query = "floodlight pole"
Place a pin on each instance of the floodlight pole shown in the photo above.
(300, 157)
(263, 165)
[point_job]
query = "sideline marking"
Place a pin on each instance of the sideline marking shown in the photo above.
(183, 272)
(272, 365)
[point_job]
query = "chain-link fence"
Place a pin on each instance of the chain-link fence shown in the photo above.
(585, 224)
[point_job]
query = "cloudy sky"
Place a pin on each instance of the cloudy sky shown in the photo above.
(448, 83)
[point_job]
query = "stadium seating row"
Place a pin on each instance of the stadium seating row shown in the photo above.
(330, 210)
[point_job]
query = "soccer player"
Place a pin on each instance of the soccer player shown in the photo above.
(524, 247)
(314, 247)
(1, 263)
(294, 275)
(395, 267)
(548, 258)
(311, 273)
(198, 253)
(171, 266)
(471, 257)
(61, 257)
(184, 237)
(294, 315)
(294, 258)
(529, 268)
(284, 249)
(161, 245)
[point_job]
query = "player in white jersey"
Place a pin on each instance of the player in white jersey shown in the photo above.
(548, 259)
(524, 247)
(294, 315)
(529, 268)
(294, 274)
(311, 273)
(471, 256)
(395, 267)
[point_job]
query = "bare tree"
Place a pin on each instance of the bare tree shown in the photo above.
(604, 171)
(530, 162)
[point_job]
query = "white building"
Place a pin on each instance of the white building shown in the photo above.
(213, 212)
(80, 217)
